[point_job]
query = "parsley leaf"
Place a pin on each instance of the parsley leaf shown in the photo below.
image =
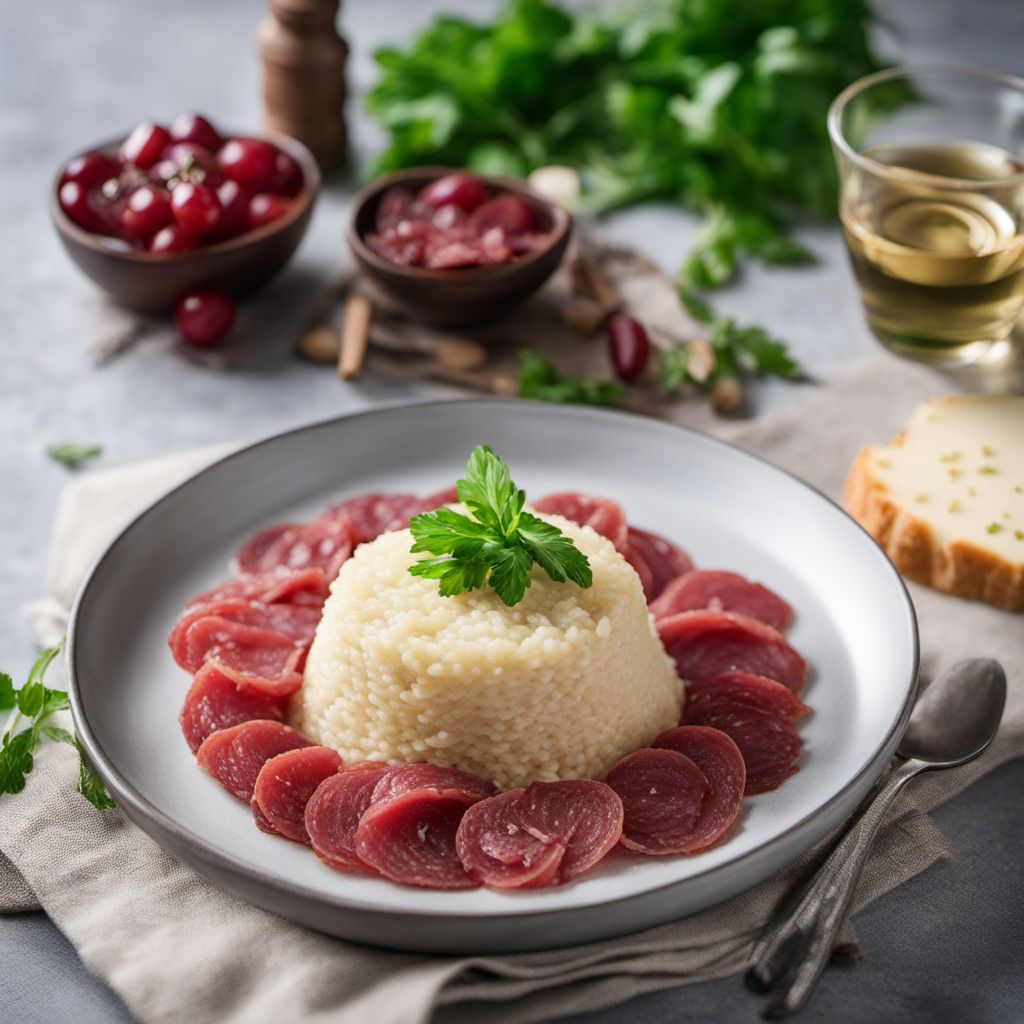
(36, 702)
(539, 380)
(71, 456)
(499, 545)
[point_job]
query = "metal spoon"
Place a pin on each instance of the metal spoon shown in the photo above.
(953, 722)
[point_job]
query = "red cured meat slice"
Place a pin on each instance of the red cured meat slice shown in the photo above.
(297, 622)
(411, 839)
(235, 756)
(334, 812)
(723, 592)
(770, 748)
(216, 702)
(665, 560)
(662, 795)
(325, 543)
(448, 496)
(370, 515)
(643, 570)
(600, 514)
(287, 781)
(706, 643)
(721, 762)
(740, 691)
(404, 778)
(306, 587)
(261, 658)
(546, 834)
(260, 820)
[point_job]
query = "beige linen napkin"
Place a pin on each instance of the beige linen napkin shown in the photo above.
(177, 948)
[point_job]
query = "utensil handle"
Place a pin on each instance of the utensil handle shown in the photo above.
(793, 955)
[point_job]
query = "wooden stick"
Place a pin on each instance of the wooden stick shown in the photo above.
(601, 289)
(355, 336)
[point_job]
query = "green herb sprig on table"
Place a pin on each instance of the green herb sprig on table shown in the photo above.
(718, 107)
(498, 543)
(71, 456)
(541, 381)
(30, 709)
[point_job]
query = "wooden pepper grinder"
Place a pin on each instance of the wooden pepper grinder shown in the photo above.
(304, 75)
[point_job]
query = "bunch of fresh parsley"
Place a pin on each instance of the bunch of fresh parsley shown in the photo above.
(717, 106)
(30, 709)
(498, 543)
(541, 381)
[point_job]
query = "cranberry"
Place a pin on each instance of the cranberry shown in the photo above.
(195, 128)
(287, 179)
(250, 162)
(164, 171)
(90, 169)
(509, 212)
(145, 145)
(465, 190)
(194, 163)
(204, 317)
(628, 346)
(196, 207)
(234, 201)
(145, 213)
(172, 239)
(81, 206)
(264, 209)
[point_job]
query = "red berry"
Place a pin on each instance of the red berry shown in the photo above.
(195, 128)
(145, 145)
(463, 189)
(287, 175)
(196, 207)
(234, 201)
(164, 171)
(250, 162)
(204, 317)
(145, 213)
(172, 239)
(628, 346)
(80, 205)
(264, 209)
(194, 162)
(90, 169)
(509, 212)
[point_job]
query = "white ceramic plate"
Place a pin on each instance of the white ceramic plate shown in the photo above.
(854, 624)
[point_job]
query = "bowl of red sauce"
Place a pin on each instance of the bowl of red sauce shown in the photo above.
(166, 210)
(450, 247)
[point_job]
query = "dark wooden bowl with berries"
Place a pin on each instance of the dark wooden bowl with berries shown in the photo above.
(453, 248)
(166, 212)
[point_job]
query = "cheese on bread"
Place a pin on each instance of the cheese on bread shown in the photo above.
(945, 499)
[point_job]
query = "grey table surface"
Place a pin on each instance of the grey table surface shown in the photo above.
(947, 946)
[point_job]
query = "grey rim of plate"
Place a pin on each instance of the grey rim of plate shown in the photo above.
(422, 448)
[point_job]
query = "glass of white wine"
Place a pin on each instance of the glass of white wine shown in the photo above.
(931, 199)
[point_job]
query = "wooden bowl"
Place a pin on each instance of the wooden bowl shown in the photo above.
(463, 295)
(156, 282)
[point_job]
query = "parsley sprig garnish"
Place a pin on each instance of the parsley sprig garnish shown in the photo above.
(30, 709)
(499, 544)
(71, 456)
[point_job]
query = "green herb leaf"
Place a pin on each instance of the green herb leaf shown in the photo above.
(90, 785)
(16, 760)
(71, 456)
(500, 545)
(539, 380)
(8, 699)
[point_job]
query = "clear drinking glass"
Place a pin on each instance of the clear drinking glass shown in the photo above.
(932, 206)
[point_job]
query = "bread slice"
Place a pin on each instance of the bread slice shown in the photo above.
(945, 498)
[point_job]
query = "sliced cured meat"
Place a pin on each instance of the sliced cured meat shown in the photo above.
(705, 643)
(643, 570)
(602, 515)
(334, 811)
(723, 592)
(370, 515)
(740, 691)
(546, 834)
(325, 543)
(662, 795)
(411, 839)
(449, 496)
(261, 658)
(664, 559)
(770, 748)
(297, 622)
(260, 820)
(235, 756)
(721, 762)
(305, 587)
(287, 781)
(404, 778)
(216, 702)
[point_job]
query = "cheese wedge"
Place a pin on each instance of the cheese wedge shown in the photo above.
(945, 499)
